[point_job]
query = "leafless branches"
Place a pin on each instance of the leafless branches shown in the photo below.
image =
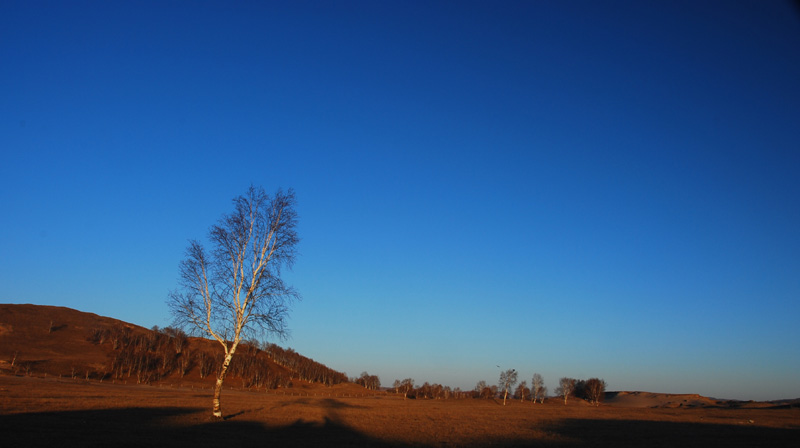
(507, 380)
(235, 290)
(595, 390)
(538, 390)
(565, 387)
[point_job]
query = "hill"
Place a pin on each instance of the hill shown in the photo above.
(658, 400)
(53, 341)
(638, 399)
(57, 341)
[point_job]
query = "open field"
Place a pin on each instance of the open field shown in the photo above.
(50, 393)
(45, 411)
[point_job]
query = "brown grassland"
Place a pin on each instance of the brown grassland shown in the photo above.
(48, 411)
(59, 398)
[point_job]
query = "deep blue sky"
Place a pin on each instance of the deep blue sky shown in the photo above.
(580, 189)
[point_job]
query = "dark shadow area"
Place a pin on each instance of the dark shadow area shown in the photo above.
(188, 427)
(236, 414)
(331, 404)
(327, 403)
(55, 328)
(636, 433)
(157, 427)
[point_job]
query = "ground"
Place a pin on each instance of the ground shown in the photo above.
(37, 411)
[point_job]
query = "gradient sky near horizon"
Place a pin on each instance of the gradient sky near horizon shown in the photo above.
(575, 188)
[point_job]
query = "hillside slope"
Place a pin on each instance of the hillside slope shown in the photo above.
(50, 339)
(659, 400)
(57, 341)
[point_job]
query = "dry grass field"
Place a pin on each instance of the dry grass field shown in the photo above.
(51, 394)
(48, 411)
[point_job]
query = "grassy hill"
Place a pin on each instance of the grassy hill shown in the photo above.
(56, 341)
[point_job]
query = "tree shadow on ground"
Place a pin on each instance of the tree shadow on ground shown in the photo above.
(167, 427)
(326, 403)
(635, 433)
(188, 427)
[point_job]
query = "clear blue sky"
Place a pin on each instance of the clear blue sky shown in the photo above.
(582, 189)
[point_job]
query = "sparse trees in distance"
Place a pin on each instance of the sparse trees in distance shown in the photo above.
(595, 390)
(565, 387)
(538, 391)
(372, 382)
(482, 390)
(507, 380)
(406, 386)
(542, 394)
(522, 391)
(424, 391)
(236, 288)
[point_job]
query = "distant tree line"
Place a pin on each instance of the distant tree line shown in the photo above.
(427, 390)
(156, 354)
(591, 390)
(371, 382)
(159, 353)
(306, 368)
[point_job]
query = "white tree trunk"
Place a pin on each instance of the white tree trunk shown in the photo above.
(217, 409)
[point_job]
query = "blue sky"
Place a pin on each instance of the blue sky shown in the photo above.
(572, 188)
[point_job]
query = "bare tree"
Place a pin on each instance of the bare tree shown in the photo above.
(480, 387)
(236, 289)
(565, 387)
(507, 380)
(537, 388)
(595, 390)
(407, 385)
(368, 381)
(458, 393)
(521, 391)
(424, 391)
(178, 338)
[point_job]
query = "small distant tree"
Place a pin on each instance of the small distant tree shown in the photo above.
(437, 391)
(507, 380)
(372, 382)
(595, 390)
(178, 338)
(424, 391)
(362, 380)
(237, 288)
(406, 386)
(480, 387)
(483, 390)
(447, 392)
(565, 387)
(537, 388)
(522, 391)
